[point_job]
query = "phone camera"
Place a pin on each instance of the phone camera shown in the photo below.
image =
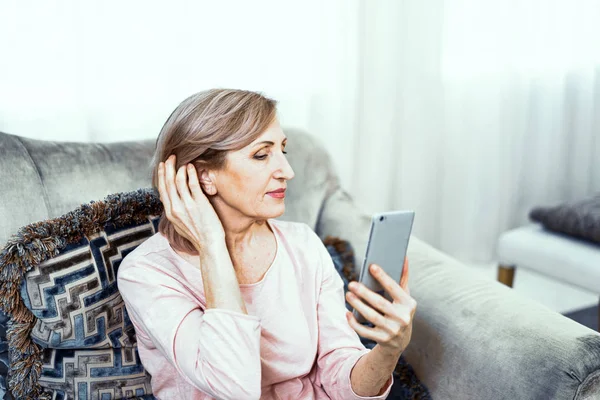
(381, 218)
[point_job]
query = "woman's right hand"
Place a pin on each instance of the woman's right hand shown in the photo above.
(187, 207)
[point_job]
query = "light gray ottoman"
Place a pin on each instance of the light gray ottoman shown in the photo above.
(558, 256)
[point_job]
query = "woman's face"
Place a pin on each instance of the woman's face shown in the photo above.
(252, 173)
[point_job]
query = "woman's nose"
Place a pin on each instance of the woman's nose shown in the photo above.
(285, 170)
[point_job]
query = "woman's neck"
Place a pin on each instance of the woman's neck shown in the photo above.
(240, 230)
(240, 236)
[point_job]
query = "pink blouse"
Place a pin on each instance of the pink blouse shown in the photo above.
(295, 342)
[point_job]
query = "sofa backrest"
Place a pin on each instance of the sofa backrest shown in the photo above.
(45, 179)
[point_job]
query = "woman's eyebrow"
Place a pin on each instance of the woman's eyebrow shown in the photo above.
(270, 143)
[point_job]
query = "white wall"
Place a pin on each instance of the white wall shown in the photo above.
(114, 70)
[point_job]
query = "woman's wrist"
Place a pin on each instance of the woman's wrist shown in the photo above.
(372, 372)
(211, 244)
(388, 352)
(221, 286)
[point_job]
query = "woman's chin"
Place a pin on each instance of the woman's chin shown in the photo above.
(275, 212)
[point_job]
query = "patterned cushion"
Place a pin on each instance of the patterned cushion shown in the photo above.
(112, 373)
(4, 363)
(71, 336)
(74, 295)
(82, 322)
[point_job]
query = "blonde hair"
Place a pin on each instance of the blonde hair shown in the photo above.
(202, 130)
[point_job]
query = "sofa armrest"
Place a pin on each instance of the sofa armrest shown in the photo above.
(475, 338)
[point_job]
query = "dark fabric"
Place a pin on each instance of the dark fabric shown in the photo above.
(580, 219)
(4, 363)
(586, 316)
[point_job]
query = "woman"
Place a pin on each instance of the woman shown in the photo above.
(230, 303)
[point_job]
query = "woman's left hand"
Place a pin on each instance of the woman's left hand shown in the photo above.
(392, 320)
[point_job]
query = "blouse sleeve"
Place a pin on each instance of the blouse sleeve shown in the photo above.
(339, 347)
(217, 351)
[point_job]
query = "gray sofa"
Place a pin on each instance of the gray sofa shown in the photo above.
(473, 338)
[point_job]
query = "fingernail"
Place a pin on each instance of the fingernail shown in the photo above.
(374, 268)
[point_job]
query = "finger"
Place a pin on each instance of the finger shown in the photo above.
(194, 183)
(394, 315)
(182, 186)
(370, 314)
(369, 333)
(162, 190)
(390, 286)
(404, 277)
(374, 299)
(393, 320)
(174, 198)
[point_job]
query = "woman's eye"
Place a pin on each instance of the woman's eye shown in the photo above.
(263, 156)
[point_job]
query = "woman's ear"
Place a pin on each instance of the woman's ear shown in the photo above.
(207, 182)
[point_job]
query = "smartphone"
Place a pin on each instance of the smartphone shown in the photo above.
(387, 246)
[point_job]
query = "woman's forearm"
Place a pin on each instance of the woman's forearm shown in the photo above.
(221, 286)
(372, 371)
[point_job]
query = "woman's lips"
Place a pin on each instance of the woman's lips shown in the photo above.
(278, 194)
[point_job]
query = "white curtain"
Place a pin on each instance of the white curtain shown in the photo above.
(470, 112)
